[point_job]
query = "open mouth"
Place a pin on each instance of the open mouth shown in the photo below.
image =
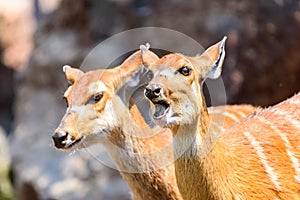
(74, 143)
(161, 109)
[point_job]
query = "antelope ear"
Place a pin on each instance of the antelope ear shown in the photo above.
(148, 57)
(132, 68)
(128, 68)
(72, 74)
(148, 60)
(210, 62)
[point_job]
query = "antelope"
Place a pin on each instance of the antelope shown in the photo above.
(96, 113)
(255, 158)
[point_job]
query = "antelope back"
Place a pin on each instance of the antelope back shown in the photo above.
(265, 147)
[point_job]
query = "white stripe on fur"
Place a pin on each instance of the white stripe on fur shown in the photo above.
(260, 152)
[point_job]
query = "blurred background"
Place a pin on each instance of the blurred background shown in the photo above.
(37, 37)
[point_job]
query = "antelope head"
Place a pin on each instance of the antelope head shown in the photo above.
(93, 102)
(175, 91)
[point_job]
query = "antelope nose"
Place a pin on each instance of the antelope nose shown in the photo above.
(59, 138)
(153, 91)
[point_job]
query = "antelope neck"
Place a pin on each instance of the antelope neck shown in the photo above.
(128, 149)
(195, 138)
(199, 159)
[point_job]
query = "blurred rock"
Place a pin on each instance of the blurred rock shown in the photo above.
(18, 21)
(16, 34)
(6, 190)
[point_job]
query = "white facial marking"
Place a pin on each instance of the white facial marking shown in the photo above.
(195, 88)
(263, 158)
(108, 117)
(167, 73)
(105, 122)
(96, 87)
(77, 109)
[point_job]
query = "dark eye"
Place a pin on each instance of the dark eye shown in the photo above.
(185, 71)
(97, 97)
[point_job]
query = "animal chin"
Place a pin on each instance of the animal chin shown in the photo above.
(161, 109)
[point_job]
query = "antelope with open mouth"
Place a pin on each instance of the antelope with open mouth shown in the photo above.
(256, 158)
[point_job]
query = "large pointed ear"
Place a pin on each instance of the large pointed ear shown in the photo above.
(210, 62)
(127, 69)
(148, 57)
(131, 66)
(72, 74)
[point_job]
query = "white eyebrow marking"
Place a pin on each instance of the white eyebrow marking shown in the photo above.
(96, 87)
(166, 72)
(76, 109)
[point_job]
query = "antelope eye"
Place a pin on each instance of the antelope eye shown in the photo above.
(97, 97)
(185, 70)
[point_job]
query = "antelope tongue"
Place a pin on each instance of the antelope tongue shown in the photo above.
(161, 109)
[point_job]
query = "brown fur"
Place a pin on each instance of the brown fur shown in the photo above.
(249, 160)
(121, 134)
(122, 140)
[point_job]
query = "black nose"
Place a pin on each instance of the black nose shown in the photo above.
(153, 91)
(58, 138)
